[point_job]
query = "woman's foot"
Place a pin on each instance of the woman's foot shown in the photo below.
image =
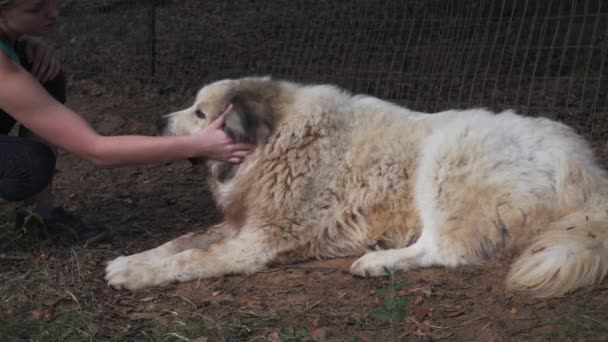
(58, 221)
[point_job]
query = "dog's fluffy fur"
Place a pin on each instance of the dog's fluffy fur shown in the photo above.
(337, 175)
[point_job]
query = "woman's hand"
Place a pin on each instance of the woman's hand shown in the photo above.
(42, 57)
(219, 145)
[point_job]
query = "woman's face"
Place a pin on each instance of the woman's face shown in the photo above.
(34, 17)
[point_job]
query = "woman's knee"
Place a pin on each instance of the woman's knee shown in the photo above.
(56, 87)
(26, 167)
(46, 157)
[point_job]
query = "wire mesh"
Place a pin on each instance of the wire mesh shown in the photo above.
(540, 57)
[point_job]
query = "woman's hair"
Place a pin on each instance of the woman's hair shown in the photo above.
(5, 4)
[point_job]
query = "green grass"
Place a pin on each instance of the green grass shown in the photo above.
(30, 237)
(68, 324)
(581, 321)
(78, 321)
(28, 278)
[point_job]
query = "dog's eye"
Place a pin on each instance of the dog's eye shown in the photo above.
(199, 113)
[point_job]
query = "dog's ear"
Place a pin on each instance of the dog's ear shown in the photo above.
(253, 117)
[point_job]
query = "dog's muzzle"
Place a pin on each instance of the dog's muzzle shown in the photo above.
(161, 125)
(194, 161)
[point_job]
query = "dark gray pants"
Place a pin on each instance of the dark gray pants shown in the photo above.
(26, 165)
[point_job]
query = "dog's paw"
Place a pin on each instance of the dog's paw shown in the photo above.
(117, 264)
(372, 264)
(124, 273)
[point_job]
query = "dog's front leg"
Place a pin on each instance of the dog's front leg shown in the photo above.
(248, 252)
(199, 240)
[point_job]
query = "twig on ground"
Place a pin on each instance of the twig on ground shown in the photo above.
(305, 268)
(530, 328)
(449, 326)
(14, 257)
(249, 277)
(184, 299)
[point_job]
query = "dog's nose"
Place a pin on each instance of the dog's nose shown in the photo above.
(161, 124)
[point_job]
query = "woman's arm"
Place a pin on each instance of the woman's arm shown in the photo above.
(211, 142)
(27, 101)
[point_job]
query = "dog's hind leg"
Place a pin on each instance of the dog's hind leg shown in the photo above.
(478, 232)
(472, 204)
(247, 252)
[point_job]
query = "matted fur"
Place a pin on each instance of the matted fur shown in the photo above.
(337, 175)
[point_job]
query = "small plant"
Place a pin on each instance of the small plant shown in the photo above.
(296, 336)
(28, 235)
(31, 220)
(394, 307)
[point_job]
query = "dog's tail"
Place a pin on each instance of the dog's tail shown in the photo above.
(563, 259)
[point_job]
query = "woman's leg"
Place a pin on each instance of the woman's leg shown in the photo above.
(6, 125)
(26, 168)
(43, 200)
(56, 87)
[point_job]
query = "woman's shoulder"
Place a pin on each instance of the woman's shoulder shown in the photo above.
(9, 51)
(13, 82)
(8, 67)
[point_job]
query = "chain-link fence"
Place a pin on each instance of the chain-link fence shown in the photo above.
(544, 57)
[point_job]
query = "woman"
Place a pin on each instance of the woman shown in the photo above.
(32, 93)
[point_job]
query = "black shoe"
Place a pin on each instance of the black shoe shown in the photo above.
(61, 222)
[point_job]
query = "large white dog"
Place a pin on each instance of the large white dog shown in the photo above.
(337, 175)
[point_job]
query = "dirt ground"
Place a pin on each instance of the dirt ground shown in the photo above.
(51, 291)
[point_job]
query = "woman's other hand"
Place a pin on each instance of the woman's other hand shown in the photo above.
(43, 58)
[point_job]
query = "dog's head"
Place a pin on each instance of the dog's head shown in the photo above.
(254, 115)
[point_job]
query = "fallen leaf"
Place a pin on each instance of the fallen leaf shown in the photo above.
(126, 302)
(356, 317)
(420, 313)
(142, 315)
(222, 299)
(216, 293)
(424, 290)
(298, 300)
(40, 314)
(319, 334)
(423, 330)
(444, 336)
(150, 307)
(153, 316)
(254, 303)
(219, 283)
(93, 329)
(37, 313)
(124, 310)
(453, 313)
(51, 300)
(419, 300)
(274, 337)
(316, 322)
(365, 336)
(290, 331)
(147, 299)
(10, 312)
(513, 311)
